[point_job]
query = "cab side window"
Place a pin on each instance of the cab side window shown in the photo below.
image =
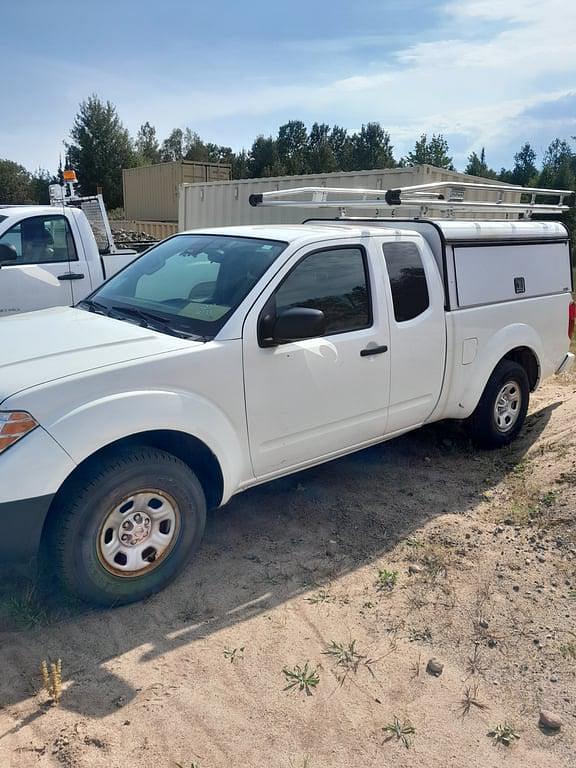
(38, 240)
(334, 281)
(407, 280)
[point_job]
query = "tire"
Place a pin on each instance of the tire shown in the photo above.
(146, 490)
(493, 427)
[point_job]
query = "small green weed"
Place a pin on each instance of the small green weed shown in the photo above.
(503, 733)
(323, 596)
(401, 731)
(303, 678)
(386, 580)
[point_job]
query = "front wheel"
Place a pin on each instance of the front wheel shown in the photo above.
(502, 409)
(126, 526)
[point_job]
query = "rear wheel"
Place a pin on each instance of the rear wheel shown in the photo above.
(126, 527)
(502, 409)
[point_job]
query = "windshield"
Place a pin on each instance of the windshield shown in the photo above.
(188, 283)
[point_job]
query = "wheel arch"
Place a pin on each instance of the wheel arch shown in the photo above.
(528, 359)
(189, 449)
(519, 343)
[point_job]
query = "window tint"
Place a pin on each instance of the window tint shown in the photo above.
(407, 280)
(40, 240)
(334, 281)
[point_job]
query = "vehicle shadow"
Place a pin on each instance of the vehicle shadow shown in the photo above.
(268, 546)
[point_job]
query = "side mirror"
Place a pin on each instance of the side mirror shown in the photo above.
(298, 323)
(7, 253)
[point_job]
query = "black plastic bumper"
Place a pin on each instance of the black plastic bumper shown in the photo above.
(21, 524)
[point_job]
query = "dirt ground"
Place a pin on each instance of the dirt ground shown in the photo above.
(483, 546)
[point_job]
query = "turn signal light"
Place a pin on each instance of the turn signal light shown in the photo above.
(14, 425)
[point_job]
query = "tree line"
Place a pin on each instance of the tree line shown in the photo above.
(99, 146)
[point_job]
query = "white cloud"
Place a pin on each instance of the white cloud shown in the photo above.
(498, 59)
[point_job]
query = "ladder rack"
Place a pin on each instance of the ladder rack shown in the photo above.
(444, 197)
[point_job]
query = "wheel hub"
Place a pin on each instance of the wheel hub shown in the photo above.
(138, 533)
(507, 406)
(135, 529)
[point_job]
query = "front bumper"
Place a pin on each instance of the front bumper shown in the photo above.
(31, 473)
(21, 523)
(566, 364)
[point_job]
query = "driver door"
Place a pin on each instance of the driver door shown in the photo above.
(312, 399)
(43, 270)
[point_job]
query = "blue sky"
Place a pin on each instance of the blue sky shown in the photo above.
(483, 72)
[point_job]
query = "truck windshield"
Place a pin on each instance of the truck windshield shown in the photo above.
(188, 283)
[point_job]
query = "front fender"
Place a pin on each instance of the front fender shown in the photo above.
(92, 426)
(470, 380)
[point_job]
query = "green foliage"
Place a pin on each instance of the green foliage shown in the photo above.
(372, 148)
(524, 171)
(100, 148)
(146, 145)
(503, 733)
(433, 151)
(386, 580)
(303, 678)
(400, 731)
(14, 183)
(477, 166)
(19, 186)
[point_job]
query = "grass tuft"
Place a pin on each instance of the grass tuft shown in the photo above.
(303, 678)
(400, 731)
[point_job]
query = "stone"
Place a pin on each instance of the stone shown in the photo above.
(550, 720)
(434, 667)
(414, 569)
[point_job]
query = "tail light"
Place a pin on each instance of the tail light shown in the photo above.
(571, 319)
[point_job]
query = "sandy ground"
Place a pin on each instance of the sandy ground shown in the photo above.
(287, 569)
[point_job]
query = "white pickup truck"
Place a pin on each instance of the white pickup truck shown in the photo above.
(56, 254)
(224, 358)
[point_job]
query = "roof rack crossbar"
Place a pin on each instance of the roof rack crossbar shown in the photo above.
(444, 196)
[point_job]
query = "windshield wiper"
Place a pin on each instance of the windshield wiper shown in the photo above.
(93, 306)
(150, 319)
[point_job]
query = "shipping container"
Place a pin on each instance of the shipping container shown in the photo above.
(226, 203)
(151, 191)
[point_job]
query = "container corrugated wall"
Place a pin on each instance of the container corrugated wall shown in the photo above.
(226, 203)
(151, 191)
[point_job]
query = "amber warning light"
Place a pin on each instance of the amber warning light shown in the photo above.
(69, 175)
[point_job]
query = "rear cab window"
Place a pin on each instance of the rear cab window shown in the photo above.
(410, 295)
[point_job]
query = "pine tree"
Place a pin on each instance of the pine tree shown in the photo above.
(100, 148)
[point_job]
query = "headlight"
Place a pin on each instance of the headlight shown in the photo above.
(13, 426)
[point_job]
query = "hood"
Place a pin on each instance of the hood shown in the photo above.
(38, 347)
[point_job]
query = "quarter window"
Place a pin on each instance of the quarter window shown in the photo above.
(407, 280)
(40, 240)
(334, 281)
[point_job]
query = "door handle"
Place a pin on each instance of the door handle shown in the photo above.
(373, 350)
(71, 276)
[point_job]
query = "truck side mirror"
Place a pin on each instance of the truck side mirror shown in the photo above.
(8, 254)
(299, 323)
